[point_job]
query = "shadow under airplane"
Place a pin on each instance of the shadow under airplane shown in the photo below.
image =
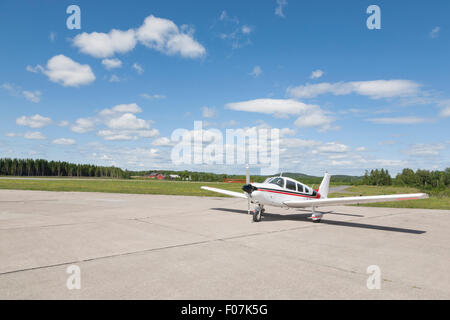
(307, 217)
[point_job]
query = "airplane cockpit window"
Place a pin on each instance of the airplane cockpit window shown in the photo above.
(268, 180)
(278, 181)
(290, 185)
(300, 187)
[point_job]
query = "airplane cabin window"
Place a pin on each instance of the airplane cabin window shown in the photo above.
(290, 185)
(299, 187)
(307, 190)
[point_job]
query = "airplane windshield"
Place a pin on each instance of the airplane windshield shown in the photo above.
(277, 181)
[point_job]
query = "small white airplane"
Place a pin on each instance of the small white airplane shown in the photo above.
(289, 193)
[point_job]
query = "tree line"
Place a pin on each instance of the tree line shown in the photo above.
(423, 179)
(41, 167)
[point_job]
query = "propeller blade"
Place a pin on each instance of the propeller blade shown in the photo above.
(247, 180)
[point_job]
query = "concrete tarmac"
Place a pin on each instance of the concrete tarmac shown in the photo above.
(177, 247)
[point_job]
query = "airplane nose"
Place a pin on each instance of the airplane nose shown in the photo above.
(249, 188)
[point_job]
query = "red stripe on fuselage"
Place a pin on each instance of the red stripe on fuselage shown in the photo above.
(290, 194)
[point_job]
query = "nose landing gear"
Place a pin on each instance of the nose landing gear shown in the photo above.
(257, 213)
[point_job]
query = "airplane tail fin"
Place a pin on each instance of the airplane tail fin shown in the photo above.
(325, 186)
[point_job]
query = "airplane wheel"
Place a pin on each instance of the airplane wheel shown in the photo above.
(257, 215)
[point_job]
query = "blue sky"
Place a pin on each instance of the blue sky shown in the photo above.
(353, 98)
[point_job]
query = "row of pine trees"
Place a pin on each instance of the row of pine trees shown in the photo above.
(41, 167)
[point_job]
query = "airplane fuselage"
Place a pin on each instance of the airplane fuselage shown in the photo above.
(273, 194)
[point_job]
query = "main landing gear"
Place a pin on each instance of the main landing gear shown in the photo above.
(258, 212)
(316, 216)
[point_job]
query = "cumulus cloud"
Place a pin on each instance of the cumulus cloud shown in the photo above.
(36, 121)
(64, 141)
(165, 36)
(375, 89)
(162, 142)
(111, 63)
(333, 147)
(63, 70)
(160, 34)
(83, 125)
(127, 121)
(121, 108)
(103, 45)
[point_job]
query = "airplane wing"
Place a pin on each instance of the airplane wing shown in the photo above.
(228, 193)
(354, 200)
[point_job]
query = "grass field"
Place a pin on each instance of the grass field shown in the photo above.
(440, 200)
(436, 201)
(118, 186)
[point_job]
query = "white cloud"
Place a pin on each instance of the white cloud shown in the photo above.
(298, 143)
(246, 29)
(209, 112)
(152, 96)
(429, 149)
(271, 106)
(361, 149)
(397, 120)
(309, 115)
(127, 121)
(103, 45)
(34, 96)
(375, 89)
(165, 36)
(333, 147)
(112, 63)
(138, 68)
(83, 125)
(148, 133)
(63, 70)
(316, 74)
(121, 108)
(34, 136)
(114, 78)
(279, 8)
(36, 121)
(52, 36)
(63, 123)
(445, 112)
(256, 72)
(64, 141)
(163, 141)
(435, 32)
